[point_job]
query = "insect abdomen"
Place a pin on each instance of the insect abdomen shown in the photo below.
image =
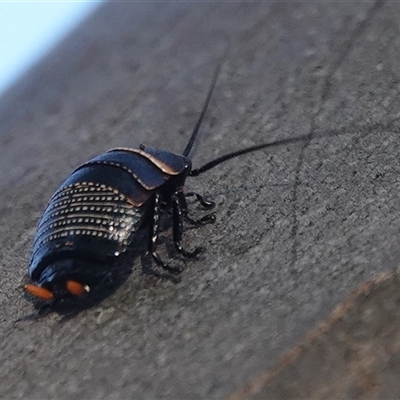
(96, 211)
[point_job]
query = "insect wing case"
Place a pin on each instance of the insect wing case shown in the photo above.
(96, 211)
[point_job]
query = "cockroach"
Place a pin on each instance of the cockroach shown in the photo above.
(97, 212)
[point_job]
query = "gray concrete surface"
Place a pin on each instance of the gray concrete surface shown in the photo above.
(298, 228)
(353, 354)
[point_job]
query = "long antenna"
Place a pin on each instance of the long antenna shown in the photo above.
(196, 129)
(219, 160)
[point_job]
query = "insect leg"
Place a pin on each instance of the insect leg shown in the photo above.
(207, 219)
(179, 211)
(205, 203)
(155, 217)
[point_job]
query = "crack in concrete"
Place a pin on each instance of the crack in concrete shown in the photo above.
(326, 89)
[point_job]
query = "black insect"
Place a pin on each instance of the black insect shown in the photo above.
(97, 212)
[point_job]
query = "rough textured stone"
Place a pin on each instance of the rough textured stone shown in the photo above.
(298, 227)
(353, 354)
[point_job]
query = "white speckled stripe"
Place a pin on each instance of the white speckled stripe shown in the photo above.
(75, 212)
